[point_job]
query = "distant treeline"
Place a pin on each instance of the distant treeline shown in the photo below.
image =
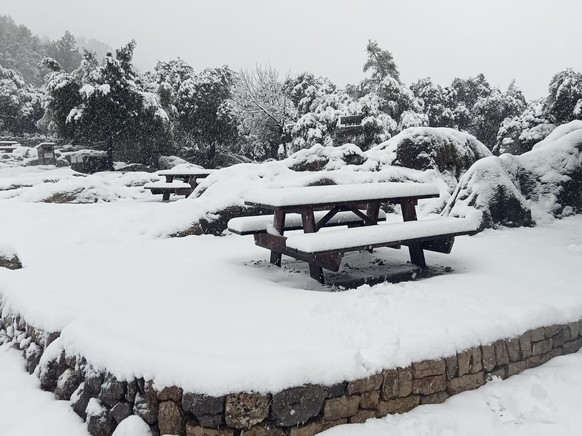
(77, 95)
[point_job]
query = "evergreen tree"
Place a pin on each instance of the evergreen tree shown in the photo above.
(380, 63)
(20, 104)
(564, 102)
(65, 52)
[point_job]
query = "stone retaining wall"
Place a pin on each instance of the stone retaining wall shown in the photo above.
(104, 401)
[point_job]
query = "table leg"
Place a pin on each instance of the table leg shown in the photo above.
(169, 178)
(415, 249)
(279, 224)
(166, 196)
(372, 211)
(193, 183)
(308, 219)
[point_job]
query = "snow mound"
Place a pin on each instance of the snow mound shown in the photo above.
(132, 426)
(422, 148)
(516, 190)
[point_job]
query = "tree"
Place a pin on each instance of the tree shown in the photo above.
(380, 63)
(564, 102)
(206, 120)
(110, 106)
(20, 104)
(264, 109)
(437, 103)
(65, 52)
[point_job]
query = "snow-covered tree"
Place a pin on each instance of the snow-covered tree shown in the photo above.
(20, 104)
(65, 52)
(380, 63)
(437, 103)
(564, 102)
(264, 110)
(111, 106)
(518, 134)
(205, 116)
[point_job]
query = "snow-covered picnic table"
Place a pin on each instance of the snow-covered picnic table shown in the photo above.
(184, 185)
(358, 205)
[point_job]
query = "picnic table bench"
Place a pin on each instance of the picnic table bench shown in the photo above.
(355, 205)
(184, 185)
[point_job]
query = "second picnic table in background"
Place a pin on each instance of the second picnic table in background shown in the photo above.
(186, 184)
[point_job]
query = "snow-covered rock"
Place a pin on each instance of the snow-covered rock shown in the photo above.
(516, 190)
(9, 258)
(422, 148)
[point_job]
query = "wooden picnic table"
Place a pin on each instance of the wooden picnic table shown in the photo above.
(363, 201)
(188, 176)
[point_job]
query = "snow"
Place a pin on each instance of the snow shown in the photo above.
(140, 305)
(338, 193)
(538, 402)
(161, 184)
(132, 426)
(25, 409)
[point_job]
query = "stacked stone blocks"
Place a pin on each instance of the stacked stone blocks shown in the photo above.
(104, 401)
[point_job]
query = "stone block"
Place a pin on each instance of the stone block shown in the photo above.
(264, 430)
(242, 411)
(500, 372)
(80, 400)
(437, 398)
(561, 337)
(513, 349)
(452, 365)
(398, 405)
(369, 400)
(112, 390)
(368, 384)
(296, 405)
(131, 391)
(470, 361)
(501, 353)
(515, 368)
(488, 354)
(121, 411)
(200, 405)
(427, 368)
(572, 346)
(99, 420)
(429, 385)
(538, 334)
(362, 416)
(310, 429)
(552, 330)
(171, 393)
(541, 347)
(340, 408)
(211, 421)
(171, 418)
(146, 407)
(193, 429)
(390, 384)
(574, 329)
(525, 345)
(466, 382)
(337, 390)
(404, 381)
(67, 383)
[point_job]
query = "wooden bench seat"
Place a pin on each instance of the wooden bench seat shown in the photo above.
(434, 234)
(250, 225)
(165, 188)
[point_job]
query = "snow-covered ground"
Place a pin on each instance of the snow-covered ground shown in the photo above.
(212, 315)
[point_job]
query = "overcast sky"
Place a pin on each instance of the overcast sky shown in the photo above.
(526, 40)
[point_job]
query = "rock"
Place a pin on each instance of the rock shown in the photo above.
(398, 405)
(541, 347)
(513, 350)
(429, 385)
(427, 368)
(80, 399)
(470, 361)
(9, 261)
(390, 384)
(337, 390)
(67, 383)
(192, 429)
(452, 364)
(244, 410)
(50, 372)
(404, 381)
(489, 361)
(437, 398)
(112, 390)
(362, 416)
(93, 380)
(211, 421)
(264, 430)
(369, 400)
(367, 384)
(199, 404)
(172, 393)
(515, 368)
(33, 354)
(501, 353)
(146, 408)
(99, 420)
(465, 383)
(171, 418)
(121, 411)
(296, 405)
(341, 407)
(318, 157)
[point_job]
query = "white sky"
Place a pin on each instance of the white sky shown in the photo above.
(526, 40)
